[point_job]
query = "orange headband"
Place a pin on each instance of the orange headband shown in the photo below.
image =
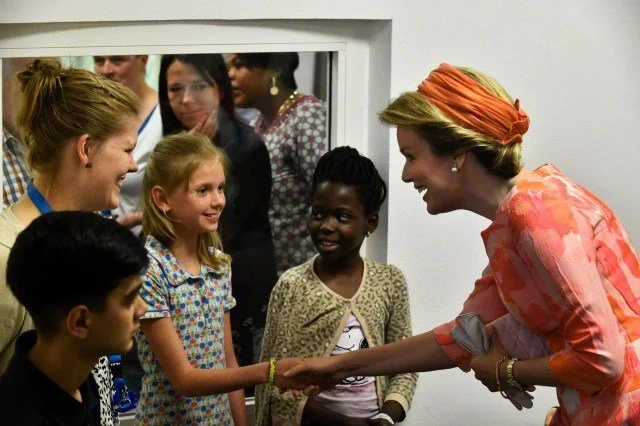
(470, 105)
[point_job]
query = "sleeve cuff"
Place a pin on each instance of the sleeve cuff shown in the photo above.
(400, 399)
(156, 314)
(460, 356)
(575, 372)
(229, 304)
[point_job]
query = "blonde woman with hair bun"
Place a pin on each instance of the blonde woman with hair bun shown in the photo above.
(561, 265)
(79, 131)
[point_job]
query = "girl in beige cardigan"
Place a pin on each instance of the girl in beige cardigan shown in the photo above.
(318, 308)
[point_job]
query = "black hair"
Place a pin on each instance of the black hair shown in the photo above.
(65, 259)
(345, 165)
(210, 66)
(286, 62)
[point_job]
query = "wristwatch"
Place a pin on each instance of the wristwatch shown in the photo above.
(383, 416)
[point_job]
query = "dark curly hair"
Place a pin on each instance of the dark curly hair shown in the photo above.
(345, 165)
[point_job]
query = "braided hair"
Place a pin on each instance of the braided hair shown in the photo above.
(344, 165)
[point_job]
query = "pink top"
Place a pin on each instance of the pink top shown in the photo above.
(355, 396)
(561, 263)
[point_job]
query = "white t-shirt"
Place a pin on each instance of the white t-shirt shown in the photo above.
(149, 134)
(354, 396)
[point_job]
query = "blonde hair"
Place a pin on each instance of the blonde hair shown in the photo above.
(171, 164)
(447, 138)
(59, 103)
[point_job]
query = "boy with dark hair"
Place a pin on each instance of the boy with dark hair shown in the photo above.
(78, 275)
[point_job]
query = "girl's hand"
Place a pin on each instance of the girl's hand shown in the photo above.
(309, 382)
(484, 366)
(323, 369)
(207, 125)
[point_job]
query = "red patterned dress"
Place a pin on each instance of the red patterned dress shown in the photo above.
(296, 140)
(561, 263)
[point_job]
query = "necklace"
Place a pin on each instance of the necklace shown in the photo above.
(287, 103)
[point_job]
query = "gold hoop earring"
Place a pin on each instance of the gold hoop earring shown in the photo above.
(274, 87)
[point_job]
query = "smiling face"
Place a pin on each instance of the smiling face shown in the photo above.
(191, 95)
(196, 209)
(338, 222)
(430, 174)
(249, 85)
(112, 161)
(113, 329)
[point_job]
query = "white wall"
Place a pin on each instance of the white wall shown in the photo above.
(573, 64)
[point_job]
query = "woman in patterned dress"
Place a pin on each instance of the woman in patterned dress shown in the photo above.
(293, 126)
(79, 131)
(560, 262)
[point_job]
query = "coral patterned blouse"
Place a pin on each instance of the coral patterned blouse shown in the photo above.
(561, 263)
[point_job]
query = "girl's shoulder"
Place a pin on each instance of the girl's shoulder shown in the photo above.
(374, 267)
(224, 263)
(296, 276)
(301, 271)
(384, 274)
(157, 252)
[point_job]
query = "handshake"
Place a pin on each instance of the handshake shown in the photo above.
(307, 375)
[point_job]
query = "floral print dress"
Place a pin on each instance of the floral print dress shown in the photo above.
(196, 305)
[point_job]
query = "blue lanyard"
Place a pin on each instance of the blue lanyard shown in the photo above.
(146, 120)
(38, 199)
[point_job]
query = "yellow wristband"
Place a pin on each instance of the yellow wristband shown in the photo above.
(272, 370)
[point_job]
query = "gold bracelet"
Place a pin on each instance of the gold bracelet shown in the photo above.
(272, 371)
(511, 379)
(503, 393)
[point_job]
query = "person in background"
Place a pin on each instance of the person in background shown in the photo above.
(14, 167)
(92, 310)
(196, 96)
(294, 128)
(130, 70)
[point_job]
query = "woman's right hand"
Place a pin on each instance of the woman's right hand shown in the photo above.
(207, 125)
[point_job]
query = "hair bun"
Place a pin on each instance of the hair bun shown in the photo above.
(45, 70)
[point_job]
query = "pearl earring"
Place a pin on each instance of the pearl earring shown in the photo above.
(454, 168)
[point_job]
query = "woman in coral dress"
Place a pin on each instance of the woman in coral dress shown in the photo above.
(560, 262)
